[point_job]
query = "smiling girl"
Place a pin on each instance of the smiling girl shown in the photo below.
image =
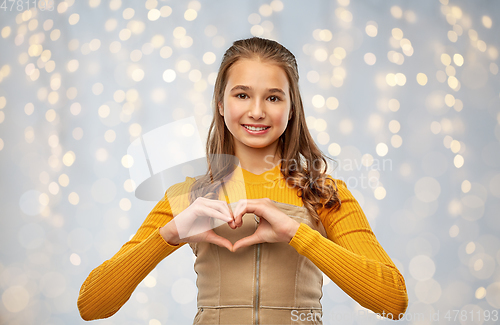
(284, 224)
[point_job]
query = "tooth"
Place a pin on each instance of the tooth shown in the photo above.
(255, 128)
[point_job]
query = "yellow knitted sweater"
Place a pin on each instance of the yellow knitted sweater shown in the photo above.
(351, 256)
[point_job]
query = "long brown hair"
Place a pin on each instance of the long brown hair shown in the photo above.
(295, 146)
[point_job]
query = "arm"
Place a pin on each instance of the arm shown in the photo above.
(352, 257)
(112, 283)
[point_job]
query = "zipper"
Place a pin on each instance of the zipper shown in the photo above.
(257, 271)
(257, 274)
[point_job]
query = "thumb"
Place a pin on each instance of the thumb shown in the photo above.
(218, 240)
(247, 241)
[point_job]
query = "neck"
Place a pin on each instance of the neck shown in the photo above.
(258, 160)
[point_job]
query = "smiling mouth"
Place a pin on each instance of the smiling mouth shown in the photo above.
(251, 128)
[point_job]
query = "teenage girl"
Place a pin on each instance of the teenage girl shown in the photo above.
(285, 222)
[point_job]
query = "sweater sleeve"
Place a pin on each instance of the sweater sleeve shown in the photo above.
(352, 257)
(111, 284)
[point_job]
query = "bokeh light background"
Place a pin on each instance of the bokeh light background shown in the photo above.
(406, 93)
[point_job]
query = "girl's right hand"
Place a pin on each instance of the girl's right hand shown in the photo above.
(195, 223)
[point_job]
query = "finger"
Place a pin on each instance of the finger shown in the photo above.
(204, 219)
(235, 213)
(224, 208)
(216, 212)
(221, 207)
(240, 210)
(232, 223)
(249, 206)
(218, 240)
(247, 241)
(236, 216)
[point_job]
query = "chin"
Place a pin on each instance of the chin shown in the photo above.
(256, 146)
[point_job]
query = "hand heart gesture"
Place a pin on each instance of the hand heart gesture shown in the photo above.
(274, 225)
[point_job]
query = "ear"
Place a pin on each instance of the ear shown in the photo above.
(221, 109)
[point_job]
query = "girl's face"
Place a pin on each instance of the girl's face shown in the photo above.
(257, 94)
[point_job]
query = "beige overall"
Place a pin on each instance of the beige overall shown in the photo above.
(267, 283)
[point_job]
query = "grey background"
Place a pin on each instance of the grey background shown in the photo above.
(434, 215)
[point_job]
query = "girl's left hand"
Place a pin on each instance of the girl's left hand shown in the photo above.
(274, 226)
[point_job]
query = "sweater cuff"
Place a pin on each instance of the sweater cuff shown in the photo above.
(304, 238)
(164, 248)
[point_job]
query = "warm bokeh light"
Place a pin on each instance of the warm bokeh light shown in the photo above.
(371, 28)
(445, 59)
(458, 59)
(487, 22)
(421, 79)
(69, 158)
(370, 58)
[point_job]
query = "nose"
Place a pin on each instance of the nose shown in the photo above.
(257, 110)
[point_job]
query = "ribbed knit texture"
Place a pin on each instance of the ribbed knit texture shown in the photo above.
(351, 255)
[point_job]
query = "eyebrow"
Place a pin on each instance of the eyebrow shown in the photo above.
(246, 88)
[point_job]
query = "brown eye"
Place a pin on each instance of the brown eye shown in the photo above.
(239, 96)
(274, 98)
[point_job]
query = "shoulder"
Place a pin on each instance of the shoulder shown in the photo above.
(181, 187)
(348, 203)
(178, 195)
(343, 193)
(336, 182)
